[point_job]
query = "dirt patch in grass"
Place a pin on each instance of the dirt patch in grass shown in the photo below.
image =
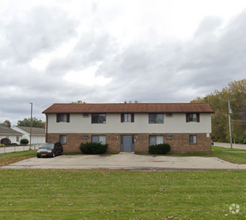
(10, 160)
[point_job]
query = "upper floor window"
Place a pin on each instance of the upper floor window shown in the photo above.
(63, 117)
(98, 118)
(192, 117)
(127, 117)
(156, 118)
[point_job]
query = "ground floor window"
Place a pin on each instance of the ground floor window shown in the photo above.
(17, 138)
(193, 139)
(63, 139)
(99, 138)
(153, 140)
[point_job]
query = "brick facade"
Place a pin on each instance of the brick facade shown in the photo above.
(179, 142)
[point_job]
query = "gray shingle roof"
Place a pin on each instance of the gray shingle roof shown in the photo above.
(6, 131)
(35, 131)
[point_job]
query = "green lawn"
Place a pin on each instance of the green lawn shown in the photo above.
(231, 155)
(78, 194)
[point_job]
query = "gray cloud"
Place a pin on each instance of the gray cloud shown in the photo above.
(146, 70)
(181, 71)
(93, 47)
(40, 30)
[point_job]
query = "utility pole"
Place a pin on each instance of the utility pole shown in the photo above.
(31, 127)
(230, 111)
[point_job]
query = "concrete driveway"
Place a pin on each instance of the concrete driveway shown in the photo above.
(125, 161)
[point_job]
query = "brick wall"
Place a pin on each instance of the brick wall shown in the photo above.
(179, 142)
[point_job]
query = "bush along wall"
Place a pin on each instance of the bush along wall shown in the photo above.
(5, 141)
(93, 148)
(24, 141)
(159, 149)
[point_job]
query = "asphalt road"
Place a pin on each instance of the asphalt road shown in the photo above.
(226, 145)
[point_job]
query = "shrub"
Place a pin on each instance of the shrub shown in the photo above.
(93, 148)
(5, 141)
(24, 141)
(159, 149)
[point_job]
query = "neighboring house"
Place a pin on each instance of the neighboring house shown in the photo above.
(12, 135)
(131, 127)
(38, 134)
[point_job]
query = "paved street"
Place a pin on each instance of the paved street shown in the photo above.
(226, 145)
(125, 161)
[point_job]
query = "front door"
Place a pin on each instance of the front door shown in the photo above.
(127, 143)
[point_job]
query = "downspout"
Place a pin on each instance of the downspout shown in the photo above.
(46, 129)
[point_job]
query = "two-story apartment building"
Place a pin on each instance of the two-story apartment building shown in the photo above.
(131, 127)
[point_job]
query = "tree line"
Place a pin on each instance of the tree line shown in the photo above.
(26, 122)
(218, 100)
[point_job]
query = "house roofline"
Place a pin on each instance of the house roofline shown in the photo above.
(78, 108)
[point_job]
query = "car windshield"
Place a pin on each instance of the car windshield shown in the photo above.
(47, 146)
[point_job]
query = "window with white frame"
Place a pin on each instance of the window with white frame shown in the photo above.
(192, 117)
(156, 118)
(99, 139)
(127, 117)
(63, 139)
(153, 140)
(63, 117)
(98, 118)
(17, 138)
(193, 139)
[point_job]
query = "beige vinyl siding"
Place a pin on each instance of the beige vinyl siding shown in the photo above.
(175, 124)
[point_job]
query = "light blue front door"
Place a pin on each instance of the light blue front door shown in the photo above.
(127, 143)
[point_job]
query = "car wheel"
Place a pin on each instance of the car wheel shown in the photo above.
(38, 156)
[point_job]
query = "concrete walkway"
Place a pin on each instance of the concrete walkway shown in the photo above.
(126, 161)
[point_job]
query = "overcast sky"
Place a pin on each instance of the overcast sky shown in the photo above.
(115, 51)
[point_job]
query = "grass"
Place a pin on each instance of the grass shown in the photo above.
(89, 195)
(231, 155)
(77, 194)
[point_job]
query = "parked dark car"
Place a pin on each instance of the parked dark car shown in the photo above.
(50, 150)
